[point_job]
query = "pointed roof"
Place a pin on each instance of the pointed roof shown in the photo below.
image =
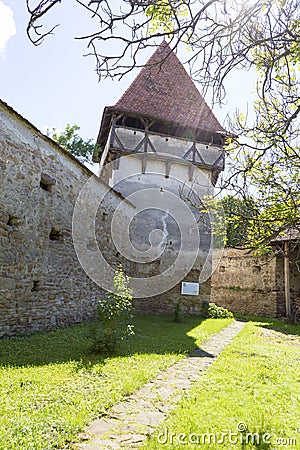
(164, 91)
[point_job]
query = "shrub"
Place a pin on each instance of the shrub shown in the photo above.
(217, 312)
(178, 312)
(114, 315)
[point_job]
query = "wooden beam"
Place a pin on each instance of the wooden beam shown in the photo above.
(191, 172)
(144, 163)
(288, 308)
(168, 168)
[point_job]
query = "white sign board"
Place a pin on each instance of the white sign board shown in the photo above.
(189, 288)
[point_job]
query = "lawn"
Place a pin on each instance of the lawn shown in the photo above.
(251, 394)
(52, 385)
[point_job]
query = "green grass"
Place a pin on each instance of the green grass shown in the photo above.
(256, 382)
(52, 385)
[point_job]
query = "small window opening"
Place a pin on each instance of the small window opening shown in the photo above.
(13, 221)
(56, 235)
(47, 182)
(36, 286)
(167, 139)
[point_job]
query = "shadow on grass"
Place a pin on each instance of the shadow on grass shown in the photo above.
(153, 334)
(273, 324)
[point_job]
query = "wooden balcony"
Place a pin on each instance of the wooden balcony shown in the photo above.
(126, 140)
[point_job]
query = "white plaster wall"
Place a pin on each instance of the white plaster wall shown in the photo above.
(130, 167)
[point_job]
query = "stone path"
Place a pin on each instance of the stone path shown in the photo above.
(130, 422)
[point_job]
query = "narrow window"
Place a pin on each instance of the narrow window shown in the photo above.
(47, 182)
(13, 221)
(56, 235)
(35, 287)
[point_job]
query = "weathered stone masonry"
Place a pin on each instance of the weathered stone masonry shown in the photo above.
(42, 284)
(249, 285)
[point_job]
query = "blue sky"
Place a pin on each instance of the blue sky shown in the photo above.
(54, 84)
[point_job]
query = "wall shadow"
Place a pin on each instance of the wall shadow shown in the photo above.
(153, 334)
(271, 323)
(282, 327)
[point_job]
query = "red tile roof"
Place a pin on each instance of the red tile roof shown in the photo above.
(163, 90)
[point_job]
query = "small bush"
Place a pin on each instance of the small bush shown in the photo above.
(178, 312)
(218, 312)
(114, 315)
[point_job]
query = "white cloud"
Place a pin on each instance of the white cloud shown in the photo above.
(7, 26)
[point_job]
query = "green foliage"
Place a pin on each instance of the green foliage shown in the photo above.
(114, 315)
(239, 213)
(73, 143)
(218, 312)
(163, 13)
(178, 312)
(213, 211)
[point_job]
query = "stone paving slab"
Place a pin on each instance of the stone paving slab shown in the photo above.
(132, 420)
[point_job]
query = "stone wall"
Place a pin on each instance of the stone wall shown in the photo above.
(167, 302)
(295, 282)
(42, 284)
(249, 285)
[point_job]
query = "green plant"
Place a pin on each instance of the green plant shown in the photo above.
(75, 144)
(178, 311)
(114, 315)
(217, 312)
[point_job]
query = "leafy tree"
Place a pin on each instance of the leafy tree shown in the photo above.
(239, 215)
(73, 143)
(222, 36)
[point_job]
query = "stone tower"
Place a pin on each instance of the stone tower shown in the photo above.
(160, 137)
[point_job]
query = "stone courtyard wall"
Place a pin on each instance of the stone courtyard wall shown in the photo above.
(42, 284)
(249, 285)
(295, 282)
